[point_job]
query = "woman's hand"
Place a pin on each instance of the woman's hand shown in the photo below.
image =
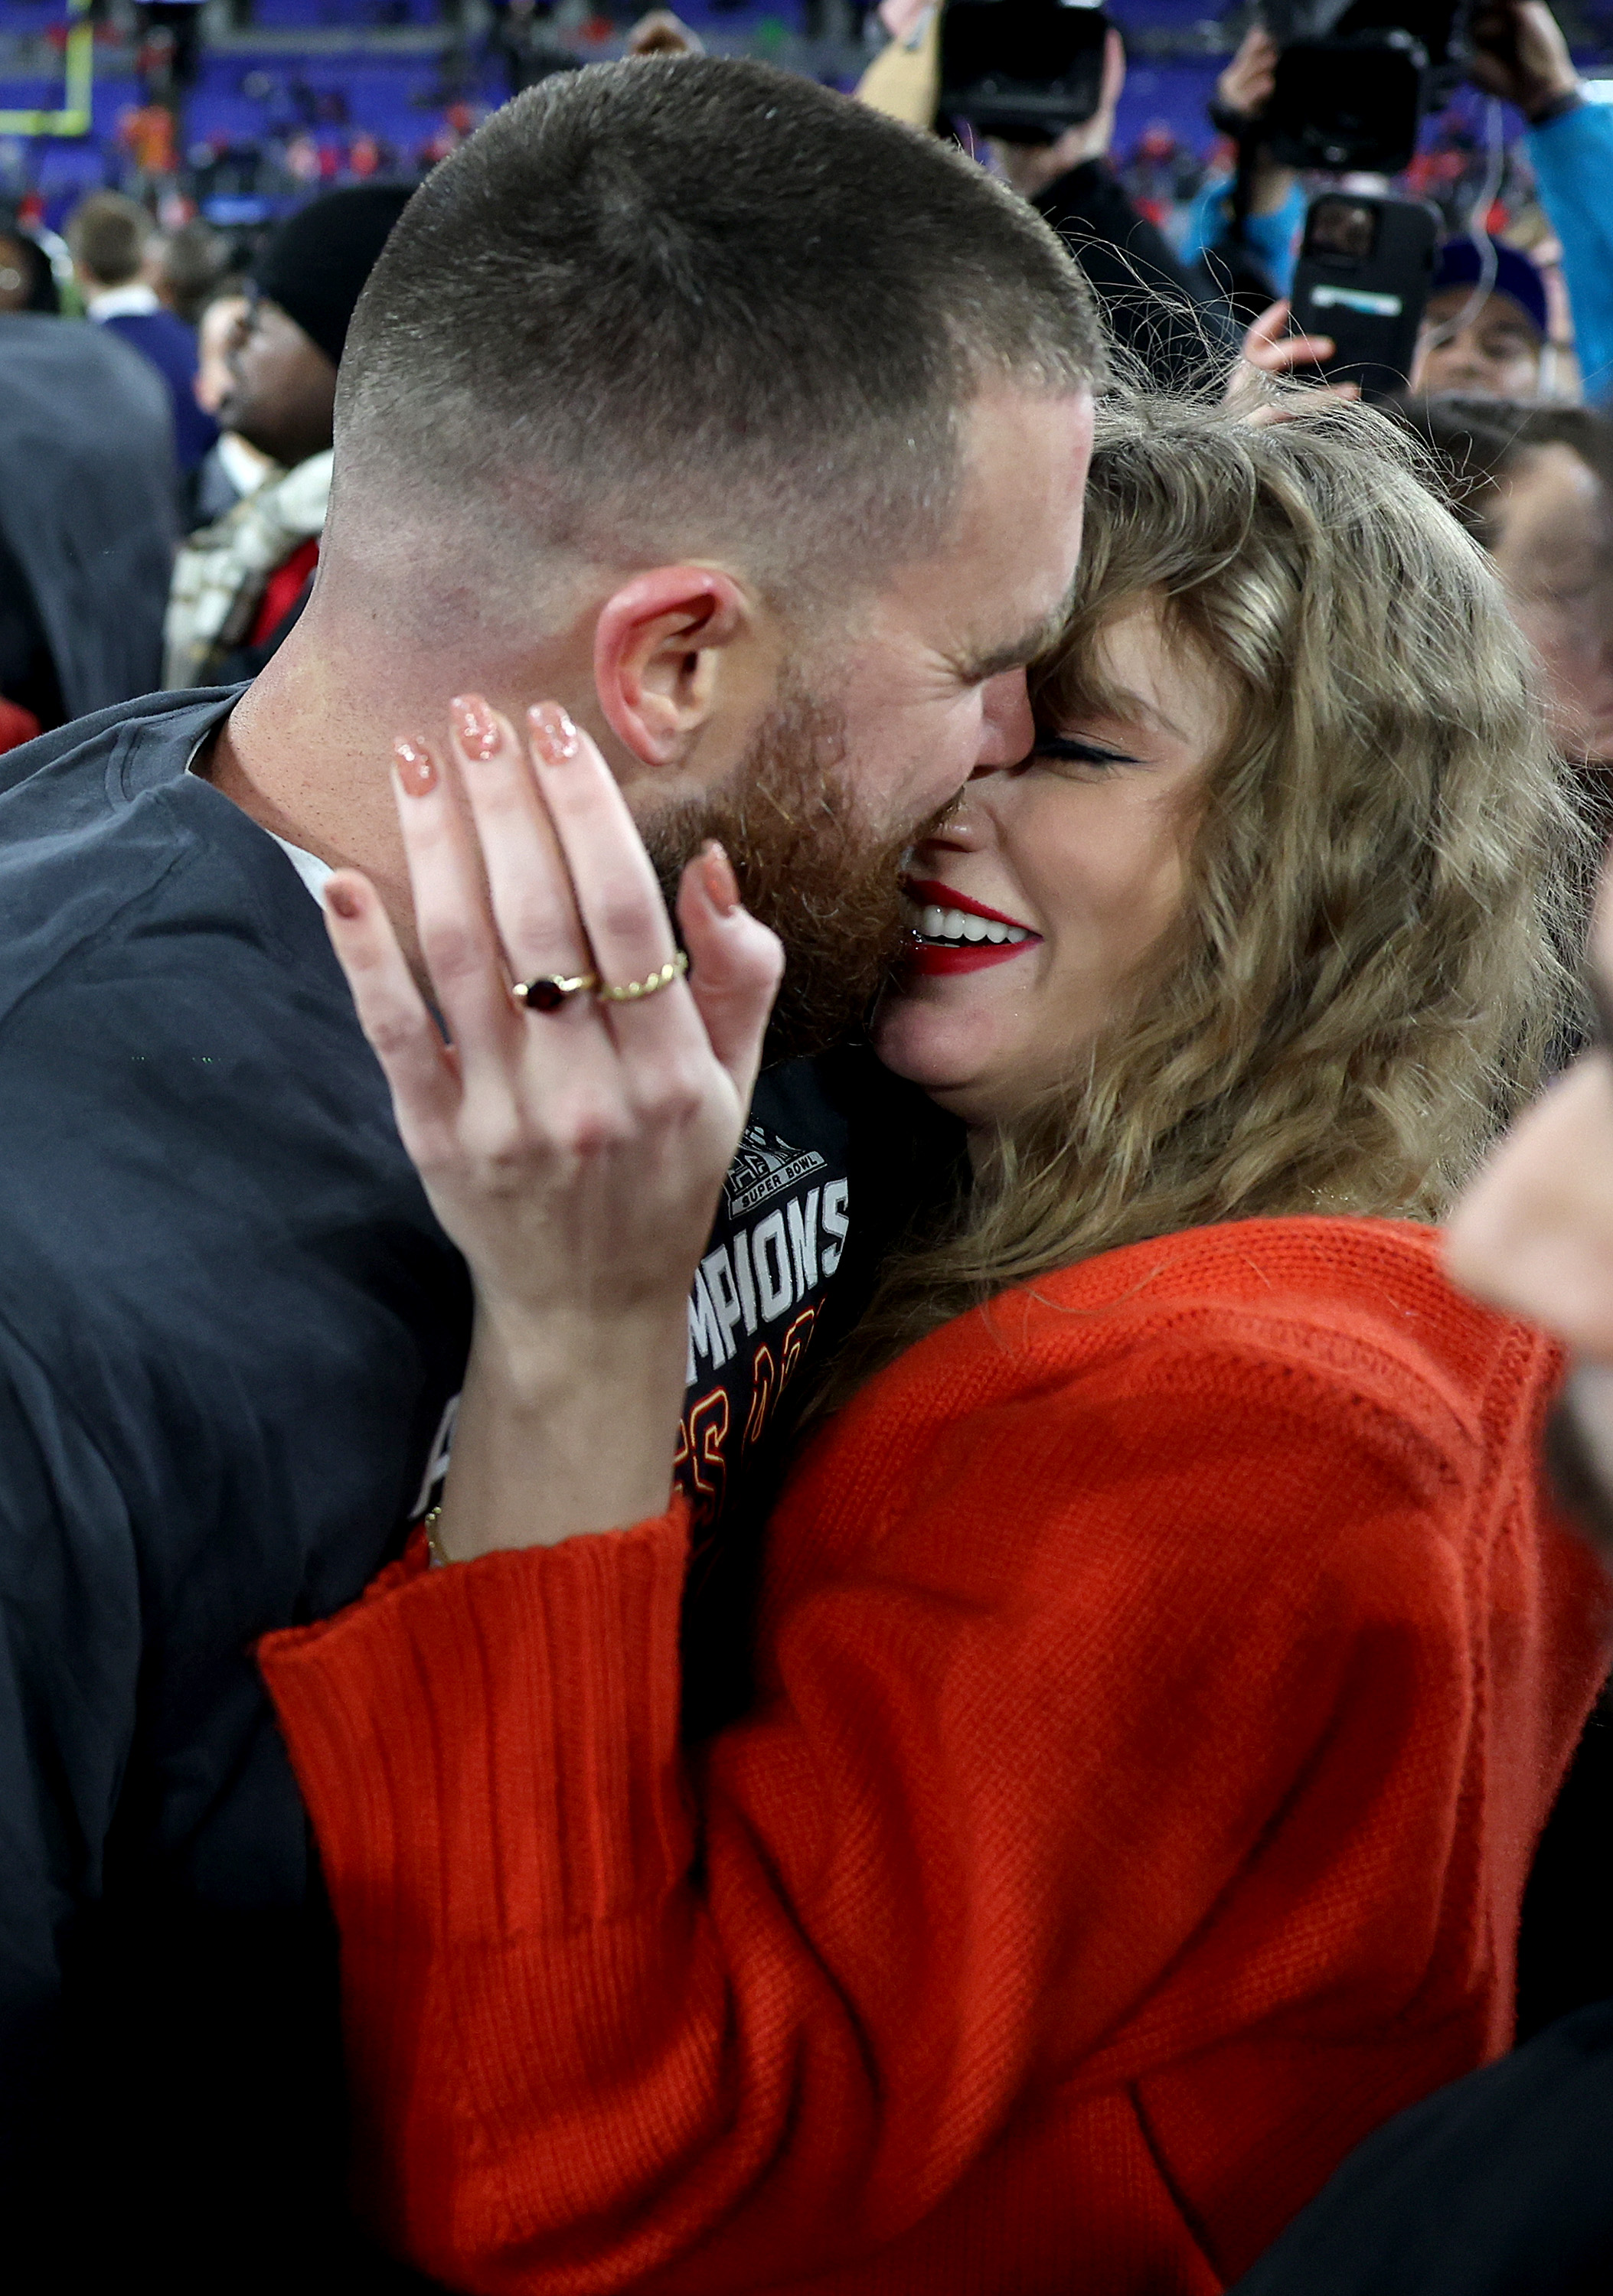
(575, 1155)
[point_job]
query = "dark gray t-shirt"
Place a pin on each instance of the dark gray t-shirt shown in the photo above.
(231, 1333)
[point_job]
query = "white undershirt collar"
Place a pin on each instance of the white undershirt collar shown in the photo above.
(135, 301)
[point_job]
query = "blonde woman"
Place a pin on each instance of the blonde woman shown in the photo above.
(1166, 1659)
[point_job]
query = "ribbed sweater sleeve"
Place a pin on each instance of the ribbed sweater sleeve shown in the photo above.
(569, 1655)
(1206, 1622)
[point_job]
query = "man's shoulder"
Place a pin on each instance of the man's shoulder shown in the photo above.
(40, 358)
(1495, 2184)
(106, 840)
(191, 1125)
(161, 334)
(59, 781)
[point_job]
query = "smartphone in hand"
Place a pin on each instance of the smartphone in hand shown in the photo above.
(1364, 269)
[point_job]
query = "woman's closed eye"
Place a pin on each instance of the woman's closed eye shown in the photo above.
(1075, 749)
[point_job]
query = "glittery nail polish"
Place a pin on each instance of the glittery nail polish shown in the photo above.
(415, 767)
(716, 873)
(555, 737)
(475, 724)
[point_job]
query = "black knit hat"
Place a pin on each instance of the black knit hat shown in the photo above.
(317, 263)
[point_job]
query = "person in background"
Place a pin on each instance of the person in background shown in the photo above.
(1251, 263)
(27, 281)
(88, 497)
(1162, 174)
(1485, 331)
(1520, 54)
(1559, 379)
(111, 238)
(26, 670)
(1148, 298)
(148, 136)
(171, 45)
(522, 36)
(240, 583)
(1502, 2184)
(1534, 486)
(234, 468)
(185, 267)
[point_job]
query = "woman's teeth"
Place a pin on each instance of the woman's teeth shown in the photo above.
(958, 925)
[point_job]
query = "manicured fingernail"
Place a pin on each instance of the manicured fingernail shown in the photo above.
(554, 736)
(476, 725)
(417, 769)
(343, 901)
(717, 876)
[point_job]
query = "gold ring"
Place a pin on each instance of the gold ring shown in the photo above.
(630, 991)
(550, 990)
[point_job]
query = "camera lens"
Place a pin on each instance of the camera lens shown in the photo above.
(1344, 228)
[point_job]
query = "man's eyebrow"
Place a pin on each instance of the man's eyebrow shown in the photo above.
(974, 669)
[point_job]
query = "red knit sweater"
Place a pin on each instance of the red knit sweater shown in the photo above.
(1165, 1676)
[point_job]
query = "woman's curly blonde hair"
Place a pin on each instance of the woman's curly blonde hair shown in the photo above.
(1368, 973)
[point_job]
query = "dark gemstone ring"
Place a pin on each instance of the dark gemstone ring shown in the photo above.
(550, 990)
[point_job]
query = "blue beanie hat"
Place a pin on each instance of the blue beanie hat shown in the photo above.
(1461, 264)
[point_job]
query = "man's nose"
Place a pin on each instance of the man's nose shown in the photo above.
(1007, 728)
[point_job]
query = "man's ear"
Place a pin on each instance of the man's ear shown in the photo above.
(658, 649)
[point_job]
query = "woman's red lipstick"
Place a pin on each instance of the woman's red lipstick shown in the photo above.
(931, 958)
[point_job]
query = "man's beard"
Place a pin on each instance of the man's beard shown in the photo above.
(808, 866)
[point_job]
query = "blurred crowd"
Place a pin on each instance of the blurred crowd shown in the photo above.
(1185, 255)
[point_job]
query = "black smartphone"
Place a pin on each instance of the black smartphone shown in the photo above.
(1362, 277)
(1024, 70)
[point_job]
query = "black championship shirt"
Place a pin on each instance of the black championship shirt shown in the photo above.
(231, 1338)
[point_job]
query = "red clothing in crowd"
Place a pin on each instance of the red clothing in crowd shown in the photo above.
(1164, 1677)
(283, 589)
(17, 724)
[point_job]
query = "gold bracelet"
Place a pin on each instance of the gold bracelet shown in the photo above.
(435, 1547)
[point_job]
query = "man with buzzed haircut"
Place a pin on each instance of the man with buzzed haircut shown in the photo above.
(752, 428)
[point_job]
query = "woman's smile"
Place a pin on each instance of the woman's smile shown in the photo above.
(1089, 836)
(951, 933)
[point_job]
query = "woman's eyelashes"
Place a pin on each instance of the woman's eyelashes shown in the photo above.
(1074, 750)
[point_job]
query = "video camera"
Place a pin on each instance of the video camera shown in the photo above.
(1355, 77)
(1024, 70)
